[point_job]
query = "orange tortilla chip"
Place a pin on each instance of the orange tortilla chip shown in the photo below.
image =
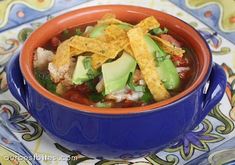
(114, 35)
(75, 52)
(64, 53)
(95, 46)
(114, 32)
(148, 24)
(109, 19)
(168, 47)
(97, 60)
(62, 56)
(147, 64)
(129, 50)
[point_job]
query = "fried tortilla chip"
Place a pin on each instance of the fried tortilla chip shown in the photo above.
(64, 53)
(147, 64)
(114, 35)
(109, 19)
(148, 24)
(129, 50)
(75, 52)
(97, 60)
(114, 32)
(62, 56)
(168, 47)
(95, 46)
(103, 51)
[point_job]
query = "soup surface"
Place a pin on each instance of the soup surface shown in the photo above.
(115, 64)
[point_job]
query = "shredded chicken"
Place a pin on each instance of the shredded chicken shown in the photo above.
(61, 88)
(100, 86)
(57, 73)
(42, 57)
(138, 78)
(182, 69)
(125, 94)
(63, 74)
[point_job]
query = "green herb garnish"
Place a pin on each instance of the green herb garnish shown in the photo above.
(103, 105)
(78, 31)
(66, 33)
(87, 62)
(147, 97)
(91, 73)
(96, 97)
(45, 80)
(158, 31)
(91, 85)
(133, 86)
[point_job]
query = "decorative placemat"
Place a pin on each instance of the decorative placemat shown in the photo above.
(22, 137)
(218, 14)
(16, 12)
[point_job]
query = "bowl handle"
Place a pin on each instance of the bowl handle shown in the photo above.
(15, 81)
(217, 84)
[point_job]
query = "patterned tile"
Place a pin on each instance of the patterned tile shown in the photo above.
(16, 12)
(218, 14)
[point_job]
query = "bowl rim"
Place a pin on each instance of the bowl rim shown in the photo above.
(29, 77)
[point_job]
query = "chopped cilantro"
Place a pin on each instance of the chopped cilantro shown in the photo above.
(45, 80)
(87, 63)
(134, 87)
(66, 33)
(158, 31)
(96, 97)
(91, 85)
(91, 73)
(78, 31)
(147, 97)
(103, 105)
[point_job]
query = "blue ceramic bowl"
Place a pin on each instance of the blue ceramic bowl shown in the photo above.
(117, 133)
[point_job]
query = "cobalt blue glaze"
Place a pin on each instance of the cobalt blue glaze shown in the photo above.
(118, 136)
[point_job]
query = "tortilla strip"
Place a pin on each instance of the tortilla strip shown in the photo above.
(129, 50)
(109, 19)
(97, 60)
(115, 36)
(114, 32)
(168, 47)
(147, 64)
(62, 56)
(95, 46)
(75, 52)
(148, 24)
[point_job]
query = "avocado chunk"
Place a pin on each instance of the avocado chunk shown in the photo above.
(83, 70)
(98, 31)
(167, 70)
(116, 73)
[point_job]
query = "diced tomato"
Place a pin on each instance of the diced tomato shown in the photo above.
(185, 74)
(179, 61)
(171, 39)
(55, 42)
(75, 96)
(127, 104)
(83, 88)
